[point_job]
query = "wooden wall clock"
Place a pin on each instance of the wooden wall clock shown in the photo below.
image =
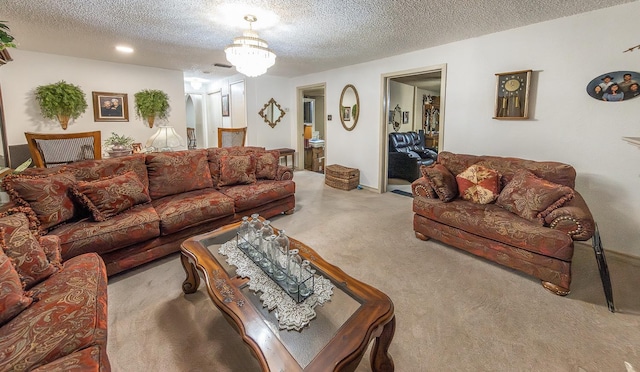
(512, 95)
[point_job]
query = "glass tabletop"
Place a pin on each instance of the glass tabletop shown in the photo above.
(303, 345)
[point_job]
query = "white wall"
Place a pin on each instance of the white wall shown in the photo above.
(259, 91)
(30, 69)
(566, 124)
(403, 95)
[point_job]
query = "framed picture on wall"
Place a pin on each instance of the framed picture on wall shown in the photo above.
(225, 105)
(110, 106)
(405, 117)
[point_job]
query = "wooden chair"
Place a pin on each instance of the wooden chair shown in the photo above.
(228, 137)
(191, 138)
(55, 149)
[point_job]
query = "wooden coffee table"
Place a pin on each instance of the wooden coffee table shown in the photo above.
(335, 340)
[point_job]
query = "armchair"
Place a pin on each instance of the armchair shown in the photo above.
(407, 152)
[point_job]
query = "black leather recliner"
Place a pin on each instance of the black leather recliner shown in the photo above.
(407, 153)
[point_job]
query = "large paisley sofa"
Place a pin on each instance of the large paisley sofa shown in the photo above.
(520, 213)
(135, 209)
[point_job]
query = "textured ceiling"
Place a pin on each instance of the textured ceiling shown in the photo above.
(307, 35)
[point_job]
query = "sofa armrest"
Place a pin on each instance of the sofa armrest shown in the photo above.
(574, 218)
(421, 187)
(284, 173)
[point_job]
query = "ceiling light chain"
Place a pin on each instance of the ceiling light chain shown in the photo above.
(250, 54)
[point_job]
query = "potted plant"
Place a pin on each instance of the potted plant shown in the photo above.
(120, 145)
(6, 40)
(152, 104)
(61, 101)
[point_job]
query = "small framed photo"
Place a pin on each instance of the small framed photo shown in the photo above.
(346, 113)
(109, 106)
(512, 95)
(225, 105)
(405, 117)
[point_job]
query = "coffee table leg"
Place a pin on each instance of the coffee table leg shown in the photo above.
(380, 358)
(192, 282)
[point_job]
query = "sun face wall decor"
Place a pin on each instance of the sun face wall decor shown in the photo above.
(512, 95)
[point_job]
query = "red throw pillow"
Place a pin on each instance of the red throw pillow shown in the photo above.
(238, 169)
(47, 195)
(267, 164)
(12, 297)
(479, 184)
(442, 181)
(24, 249)
(110, 196)
(532, 197)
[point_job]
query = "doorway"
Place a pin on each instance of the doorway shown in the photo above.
(413, 101)
(311, 128)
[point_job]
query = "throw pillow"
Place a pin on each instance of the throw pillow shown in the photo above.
(442, 181)
(479, 184)
(532, 197)
(51, 246)
(23, 248)
(47, 195)
(177, 172)
(237, 169)
(267, 164)
(112, 195)
(12, 297)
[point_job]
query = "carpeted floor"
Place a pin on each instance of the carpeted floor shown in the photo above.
(454, 311)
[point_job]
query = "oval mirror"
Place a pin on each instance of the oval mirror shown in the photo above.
(349, 107)
(272, 112)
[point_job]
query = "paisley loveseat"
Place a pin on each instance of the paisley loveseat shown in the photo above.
(135, 209)
(520, 213)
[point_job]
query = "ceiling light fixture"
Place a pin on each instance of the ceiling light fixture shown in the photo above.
(124, 49)
(250, 54)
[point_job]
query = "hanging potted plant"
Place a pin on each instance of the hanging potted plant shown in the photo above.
(6, 40)
(61, 101)
(152, 104)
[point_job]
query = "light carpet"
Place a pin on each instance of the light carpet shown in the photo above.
(454, 311)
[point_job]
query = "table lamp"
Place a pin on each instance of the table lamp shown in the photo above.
(165, 139)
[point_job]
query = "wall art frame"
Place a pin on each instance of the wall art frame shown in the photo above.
(109, 106)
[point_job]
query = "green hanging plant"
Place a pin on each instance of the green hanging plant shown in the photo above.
(6, 40)
(152, 104)
(61, 101)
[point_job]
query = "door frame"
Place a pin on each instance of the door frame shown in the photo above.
(384, 92)
(299, 122)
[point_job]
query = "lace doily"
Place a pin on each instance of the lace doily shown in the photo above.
(290, 315)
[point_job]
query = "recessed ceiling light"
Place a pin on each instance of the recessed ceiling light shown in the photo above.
(124, 49)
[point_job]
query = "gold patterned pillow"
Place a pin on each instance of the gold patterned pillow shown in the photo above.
(110, 196)
(479, 184)
(238, 169)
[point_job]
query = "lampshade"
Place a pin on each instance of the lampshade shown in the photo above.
(165, 139)
(307, 132)
(250, 54)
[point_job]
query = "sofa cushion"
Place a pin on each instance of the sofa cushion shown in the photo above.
(132, 226)
(25, 250)
(51, 246)
(93, 359)
(531, 197)
(178, 212)
(71, 315)
(215, 153)
(91, 170)
(173, 173)
(267, 164)
(259, 193)
(495, 223)
(442, 181)
(479, 184)
(109, 196)
(237, 170)
(12, 297)
(47, 195)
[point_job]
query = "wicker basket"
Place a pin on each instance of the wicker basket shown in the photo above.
(341, 177)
